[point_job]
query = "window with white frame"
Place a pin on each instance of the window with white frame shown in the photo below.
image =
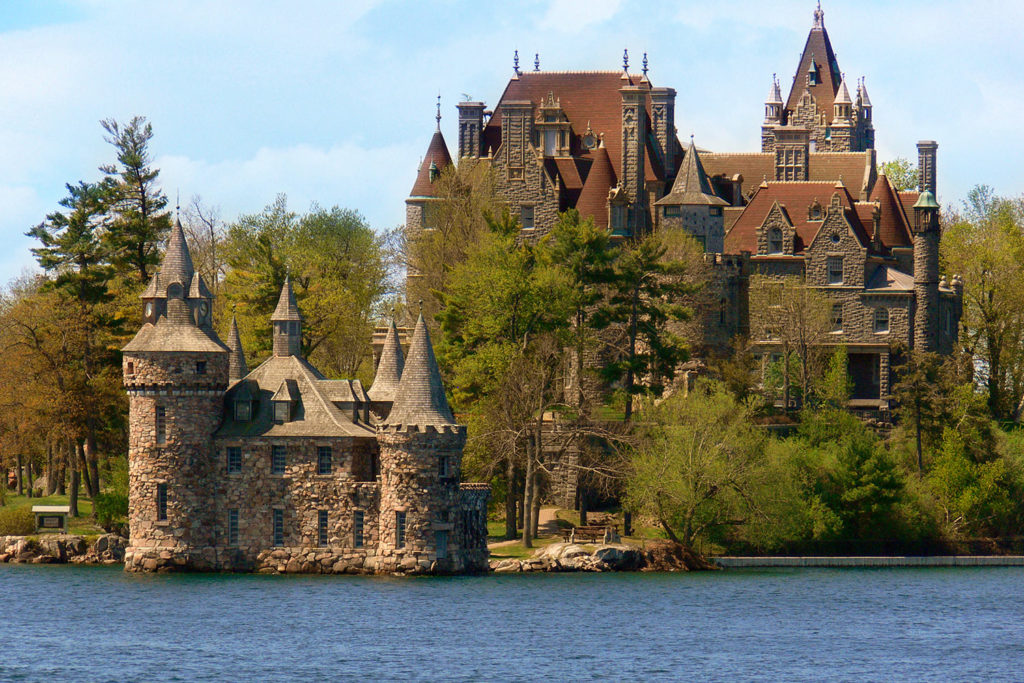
(881, 320)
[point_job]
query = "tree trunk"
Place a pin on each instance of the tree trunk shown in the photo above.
(528, 494)
(51, 471)
(535, 510)
(94, 465)
(584, 503)
(20, 474)
(31, 487)
(627, 523)
(73, 498)
(83, 465)
(510, 501)
(62, 469)
(920, 458)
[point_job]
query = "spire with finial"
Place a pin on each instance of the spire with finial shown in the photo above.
(819, 17)
(438, 116)
(287, 322)
(420, 399)
(625, 60)
(645, 65)
(237, 369)
(536, 61)
(515, 63)
(177, 265)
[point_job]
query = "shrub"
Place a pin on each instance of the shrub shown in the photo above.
(111, 510)
(17, 521)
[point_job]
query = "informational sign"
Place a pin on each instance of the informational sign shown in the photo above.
(51, 522)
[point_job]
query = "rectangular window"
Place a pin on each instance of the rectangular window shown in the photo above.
(526, 217)
(281, 411)
(357, 529)
(278, 459)
(234, 459)
(323, 460)
(200, 367)
(321, 528)
(715, 210)
(233, 526)
(835, 270)
(837, 317)
(618, 218)
(442, 466)
(278, 527)
(243, 411)
(399, 529)
(161, 424)
(881, 320)
(130, 368)
(671, 212)
(441, 538)
(161, 502)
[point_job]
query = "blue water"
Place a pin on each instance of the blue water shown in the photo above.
(100, 624)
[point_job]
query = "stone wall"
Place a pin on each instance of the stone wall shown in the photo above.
(699, 222)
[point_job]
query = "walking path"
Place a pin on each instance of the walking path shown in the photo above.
(547, 525)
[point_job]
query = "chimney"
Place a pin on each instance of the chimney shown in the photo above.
(926, 155)
(471, 125)
(663, 124)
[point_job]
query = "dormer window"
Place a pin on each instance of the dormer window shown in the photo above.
(282, 411)
(243, 410)
(775, 241)
(815, 212)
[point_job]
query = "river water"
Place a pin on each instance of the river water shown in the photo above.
(100, 624)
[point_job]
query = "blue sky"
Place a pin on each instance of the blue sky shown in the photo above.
(333, 102)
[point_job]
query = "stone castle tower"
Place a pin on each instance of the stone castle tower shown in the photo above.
(926, 272)
(421, 463)
(175, 373)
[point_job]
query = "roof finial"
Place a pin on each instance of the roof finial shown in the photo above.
(421, 306)
(625, 60)
(819, 17)
(515, 63)
(645, 65)
(177, 206)
(536, 61)
(438, 117)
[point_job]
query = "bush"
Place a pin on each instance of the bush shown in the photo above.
(17, 521)
(111, 510)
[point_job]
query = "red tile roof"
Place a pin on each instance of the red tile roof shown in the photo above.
(795, 198)
(587, 98)
(853, 168)
(593, 200)
(893, 227)
(437, 153)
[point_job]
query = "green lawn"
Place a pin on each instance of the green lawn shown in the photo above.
(83, 525)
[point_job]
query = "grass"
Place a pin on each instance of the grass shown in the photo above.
(518, 551)
(83, 525)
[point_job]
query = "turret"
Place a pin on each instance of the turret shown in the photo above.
(175, 373)
(842, 120)
(421, 461)
(388, 375)
(237, 368)
(692, 205)
(287, 322)
(773, 111)
(926, 272)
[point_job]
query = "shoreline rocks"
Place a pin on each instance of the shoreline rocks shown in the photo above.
(659, 556)
(62, 549)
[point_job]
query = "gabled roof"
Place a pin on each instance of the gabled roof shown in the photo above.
(588, 98)
(894, 228)
(437, 156)
(888, 279)
(795, 199)
(287, 308)
(818, 49)
(691, 186)
(389, 369)
(288, 378)
(420, 399)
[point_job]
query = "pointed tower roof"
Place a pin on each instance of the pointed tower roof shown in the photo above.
(862, 89)
(593, 199)
(420, 398)
(691, 185)
(237, 369)
(177, 265)
(819, 50)
(389, 369)
(843, 94)
(435, 160)
(775, 96)
(287, 308)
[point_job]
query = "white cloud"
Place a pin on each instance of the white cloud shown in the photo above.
(574, 16)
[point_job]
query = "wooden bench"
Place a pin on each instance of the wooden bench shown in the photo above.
(593, 534)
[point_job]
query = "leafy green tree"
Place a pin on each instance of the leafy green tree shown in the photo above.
(901, 173)
(645, 289)
(139, 220)
(921, 398)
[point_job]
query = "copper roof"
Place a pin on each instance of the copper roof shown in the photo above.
(420, 399)
(438, 156)
(795, 199)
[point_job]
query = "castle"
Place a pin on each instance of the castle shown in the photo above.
(811, 204)
(279, 468)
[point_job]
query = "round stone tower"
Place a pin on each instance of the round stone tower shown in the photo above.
(926, 272)
(421, 462)
(175, 373)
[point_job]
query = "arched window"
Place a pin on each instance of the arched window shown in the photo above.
(775, 241)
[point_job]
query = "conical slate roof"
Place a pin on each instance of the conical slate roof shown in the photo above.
(438, 157)
(420, 398)
(865, 101)
(775, 96)
(691, 186)
(287, 308)
(389, 369)
(593, 199)
(237, 369)
(177, 265)
(843, 96)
